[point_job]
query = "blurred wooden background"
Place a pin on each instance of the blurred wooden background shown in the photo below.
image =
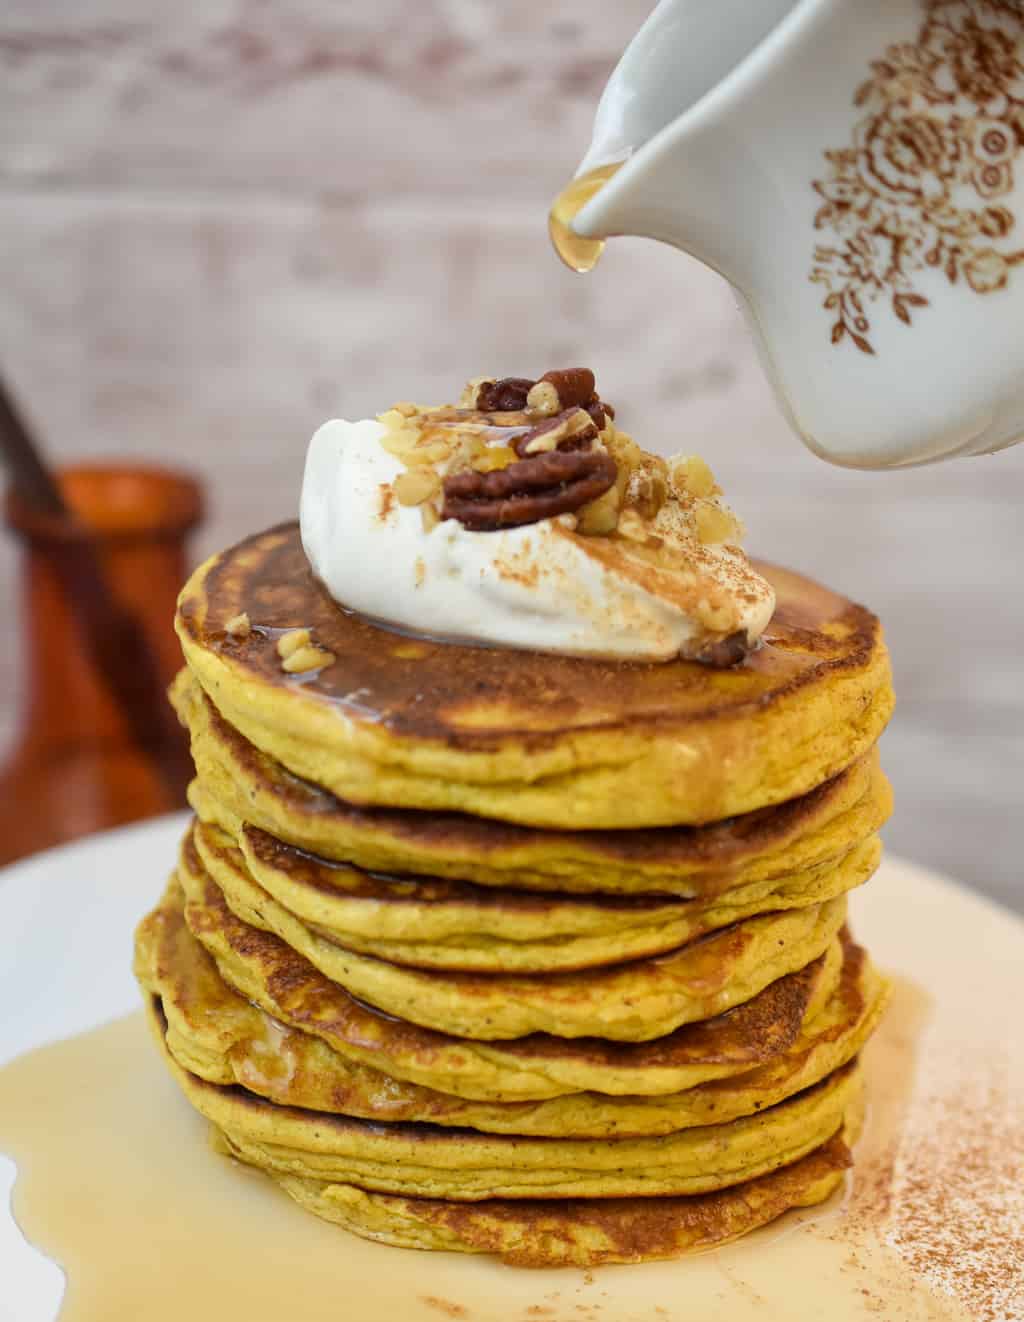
(224, 221)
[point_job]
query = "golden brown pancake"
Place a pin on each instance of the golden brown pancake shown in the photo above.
(467, 1166)
(213, 1032)
(434, 924)
(581, 1232)
(549, 741)
(238, 784)
(267, 972)
(633, 1002)
(578, 1232)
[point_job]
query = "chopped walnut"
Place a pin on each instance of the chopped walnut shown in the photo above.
(465, 449)
(600, 516)
(507, 394)
(575, 425)
(414, 444)
(715, 525)
(416, 485)
(728, 651)
(307, 658)
(543, 398)
(448, 447)
(692, 477)
(493, 458)
(471, 391)
(647, 487)
(291, 642)
(572, 387)
(627, 454)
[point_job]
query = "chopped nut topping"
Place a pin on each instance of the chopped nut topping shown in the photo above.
(506, 395)
(556, 391)
(647, 488)
(714, 525)
(307, 658)
(574, 425)
(239, 626)
(692, 477)
(549, 419)
(399, 441)
(573, 388)
(471, 391)
(467, 447)
(728, 651)
(291, 642)
(543, 398)
(416, 485)
(428, 452)
(493, 458)
(627, 455)
(600, 516)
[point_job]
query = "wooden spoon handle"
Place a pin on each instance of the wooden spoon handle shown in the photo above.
(33, 481)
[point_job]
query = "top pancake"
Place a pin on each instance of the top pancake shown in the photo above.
(543, 740)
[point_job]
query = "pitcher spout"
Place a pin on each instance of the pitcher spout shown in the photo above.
(667, 174)
(681, 195)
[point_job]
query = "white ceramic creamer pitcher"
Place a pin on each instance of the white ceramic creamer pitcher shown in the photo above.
(855, 168)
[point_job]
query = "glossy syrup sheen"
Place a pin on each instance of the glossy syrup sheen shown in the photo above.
(476, 695)
(117, 1183)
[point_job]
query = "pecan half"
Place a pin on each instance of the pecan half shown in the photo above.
(572, 430)
(506, 395)
(726, 652)
(597, 408)
(556, 391)
(568, 388)
(546, 484)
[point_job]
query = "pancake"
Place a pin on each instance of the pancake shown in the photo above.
(238, 784)
(581, 1233)
(268, 973)
(437, 924)
(543, 740)
(573, 1231)
(633, 1002)
(215, 1033)
(462, 1164)
(466, 1166)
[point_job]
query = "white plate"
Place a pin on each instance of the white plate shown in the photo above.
(82, 901)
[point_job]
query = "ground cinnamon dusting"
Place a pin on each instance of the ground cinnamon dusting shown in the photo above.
(958, 1220)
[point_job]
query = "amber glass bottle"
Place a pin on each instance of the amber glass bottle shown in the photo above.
(98, 745)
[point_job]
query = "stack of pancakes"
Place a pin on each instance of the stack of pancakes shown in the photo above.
(495, 951)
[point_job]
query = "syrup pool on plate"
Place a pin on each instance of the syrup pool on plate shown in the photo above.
(117, 1183)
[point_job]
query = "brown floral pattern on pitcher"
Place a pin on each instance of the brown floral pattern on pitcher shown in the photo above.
(920, 185)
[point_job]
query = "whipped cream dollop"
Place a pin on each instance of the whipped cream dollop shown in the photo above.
(665, 578)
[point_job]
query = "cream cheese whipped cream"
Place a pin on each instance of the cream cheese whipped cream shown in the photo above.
(403, 520)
